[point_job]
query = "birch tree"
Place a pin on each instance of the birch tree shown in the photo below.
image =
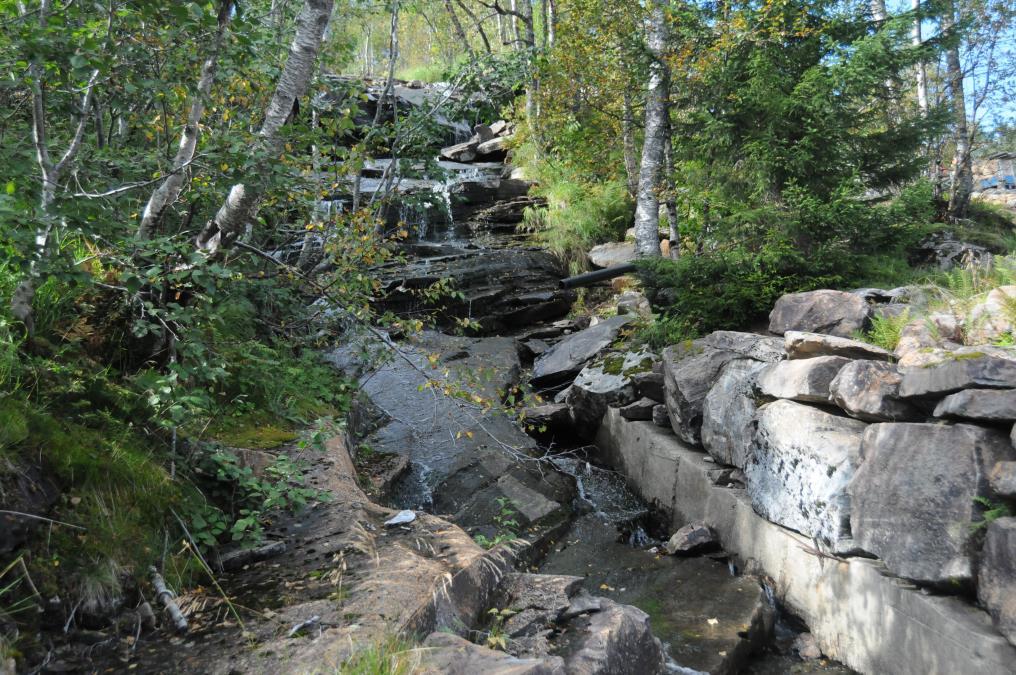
(647, 207)
(240, 205)
(962, 175)
(51, 172)
(167, 193)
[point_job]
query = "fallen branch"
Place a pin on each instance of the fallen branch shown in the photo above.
(42, 518)
(166, 596)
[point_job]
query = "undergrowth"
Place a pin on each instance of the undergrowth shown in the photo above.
(389, 655)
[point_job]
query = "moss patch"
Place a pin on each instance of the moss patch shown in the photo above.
(256, 432)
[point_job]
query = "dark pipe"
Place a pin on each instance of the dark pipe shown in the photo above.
(598, 275)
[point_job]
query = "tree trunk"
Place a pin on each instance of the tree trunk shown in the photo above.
(631, 166)
(922, 74)
(647, 210)
(878, 10)
(459, 33)
(515, 25)
(551, 22)
(670, 203)
(167, 193)
(239, 206)
(962, 169)
(50, 174)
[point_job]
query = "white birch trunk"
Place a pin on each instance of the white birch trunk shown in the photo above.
(167, 193)
(962, 169)
(922, 74)
(647, 209)
(239, 206)
(50, 174)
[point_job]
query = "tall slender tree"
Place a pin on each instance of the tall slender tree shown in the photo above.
(647, 207)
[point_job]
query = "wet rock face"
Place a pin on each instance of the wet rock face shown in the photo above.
(728, 410)
(867, 390)
(570, 355)
(799, 467)
(616, 641)
(831, 312)
(997, 578)
(804, 380)
(913, 497)
(503, 289)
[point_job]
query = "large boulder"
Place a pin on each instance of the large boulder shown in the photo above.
(748, 345)
(615, 640)
(612, 254)
(605, 383)
(804, 380)
(800, 345)
(914, 496)
(867, 390)
(799, 467)
(965, 371)
(461, 152)
(570, 355)
(689, 370)
(728, 410)
(988, 405)
(831, 312)
(996, 588)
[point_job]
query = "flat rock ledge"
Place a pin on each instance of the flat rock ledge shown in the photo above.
(858, 614)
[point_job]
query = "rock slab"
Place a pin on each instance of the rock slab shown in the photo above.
(565, 359)
(805, 380)
(728, 410)
(996, 587)
(967, 371)
(825, 311)
(800, 345)
(913, 496)
(867, 390)
(689, 371)
(988, 405)
(799, 467)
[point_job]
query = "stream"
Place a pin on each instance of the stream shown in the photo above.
(710, 617)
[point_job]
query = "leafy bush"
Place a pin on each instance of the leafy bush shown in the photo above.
(580, 212)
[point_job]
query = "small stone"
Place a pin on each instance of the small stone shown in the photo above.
(641, 410)
(807, 647)
(649, 385)
(989, 405)
(401, 518)
(692, 538)
(612, 254)
(1002, 479)
(660, 416)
